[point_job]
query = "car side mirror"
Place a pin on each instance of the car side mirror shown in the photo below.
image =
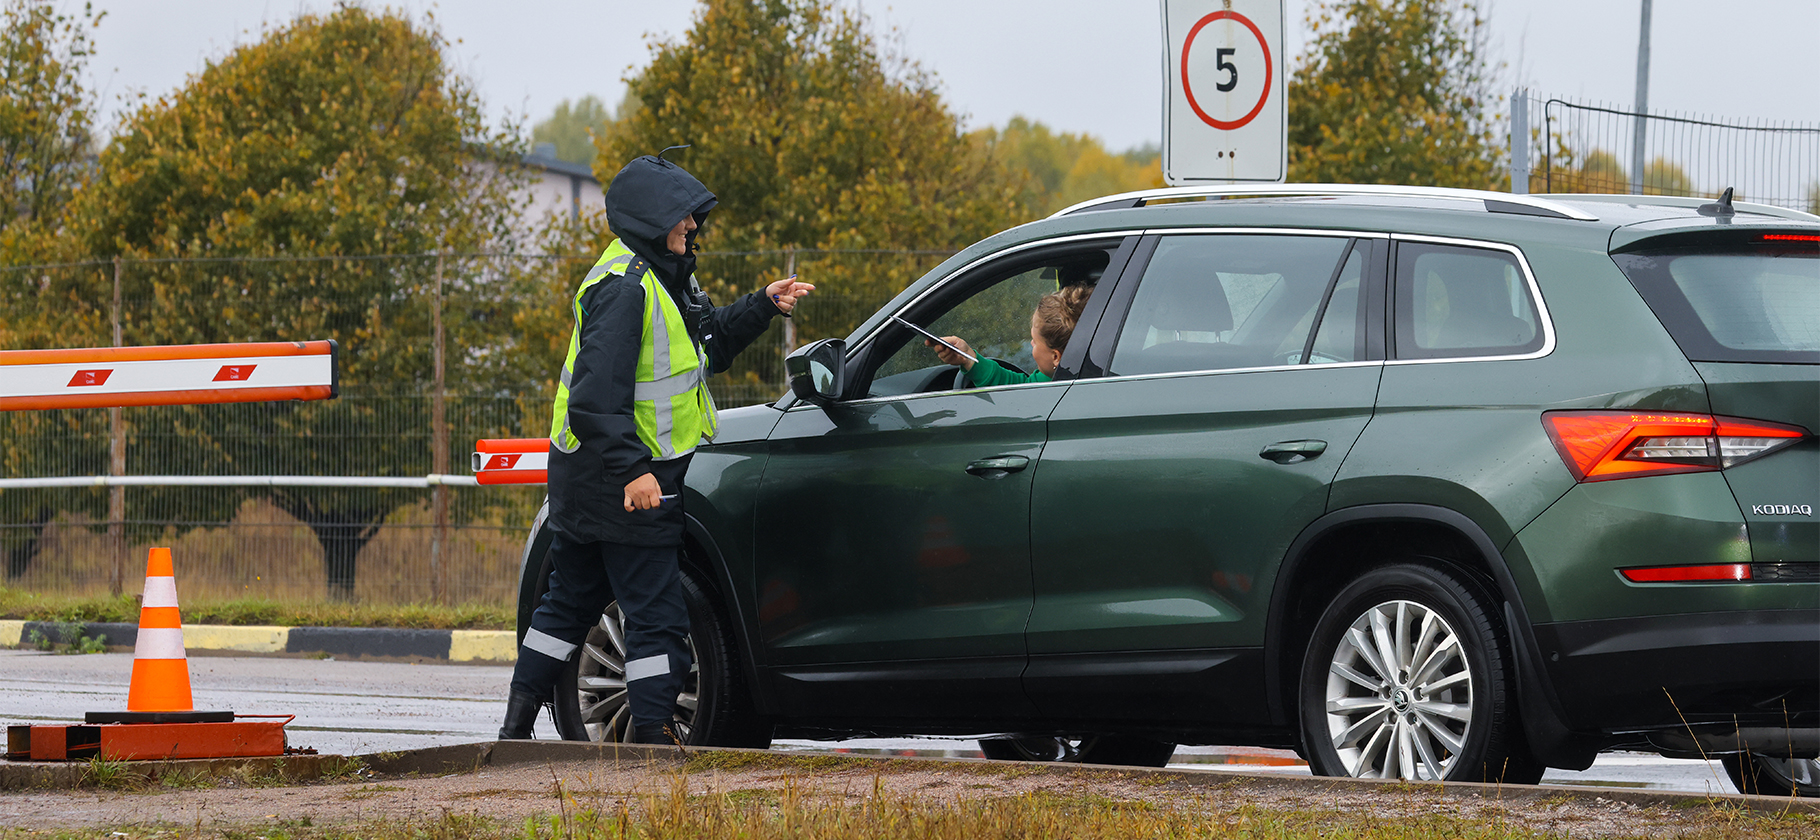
(818, 371)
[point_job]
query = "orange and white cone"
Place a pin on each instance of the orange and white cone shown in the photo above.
(161, 670)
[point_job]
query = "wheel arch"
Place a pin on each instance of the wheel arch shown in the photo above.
(1338, 540)
(701, 552)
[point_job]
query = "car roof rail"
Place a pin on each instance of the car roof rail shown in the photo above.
(1694, 203)
(1495, 202)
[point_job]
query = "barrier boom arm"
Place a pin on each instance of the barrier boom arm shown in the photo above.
(183, 374)
(512, 460)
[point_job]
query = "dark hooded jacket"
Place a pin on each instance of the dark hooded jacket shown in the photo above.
(587, 487)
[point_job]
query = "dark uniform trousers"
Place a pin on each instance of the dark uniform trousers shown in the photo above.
(586, 576)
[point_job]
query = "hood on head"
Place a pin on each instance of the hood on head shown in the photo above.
(646, 199)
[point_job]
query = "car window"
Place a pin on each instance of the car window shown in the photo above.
(1741, 298)
(1219, 302)
(993, 318)
(1454, 301)
(1341, 333)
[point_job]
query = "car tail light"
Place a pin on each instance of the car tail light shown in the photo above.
(1686, 574)
(1604, 445)
(1790, 237)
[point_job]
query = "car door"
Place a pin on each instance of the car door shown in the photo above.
(892, 531)
(1239, 368)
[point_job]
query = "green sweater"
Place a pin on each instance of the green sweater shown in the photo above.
(987, 373)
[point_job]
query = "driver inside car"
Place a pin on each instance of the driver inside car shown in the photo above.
(1050, 326)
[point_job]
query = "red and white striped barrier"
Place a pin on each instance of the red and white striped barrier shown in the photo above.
(512, 461)
(184, 374)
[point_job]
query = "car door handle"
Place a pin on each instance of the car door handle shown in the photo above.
(997, 467)
(1293, 451)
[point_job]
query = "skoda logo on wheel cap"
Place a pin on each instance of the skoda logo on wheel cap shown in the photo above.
(1400, 700)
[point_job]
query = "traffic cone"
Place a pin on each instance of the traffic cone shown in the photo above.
(161, 670)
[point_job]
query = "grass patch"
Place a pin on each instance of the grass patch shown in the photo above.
(370, 791)
(74, 639)
(704, 761)
(111, 774)
(27, 606)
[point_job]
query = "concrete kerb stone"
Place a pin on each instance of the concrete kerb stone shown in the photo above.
(464, 646)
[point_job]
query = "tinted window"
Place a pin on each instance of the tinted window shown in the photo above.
(1737, 301)
(1219, 302)
(1454, 302)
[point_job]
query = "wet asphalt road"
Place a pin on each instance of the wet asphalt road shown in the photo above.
(350, 708)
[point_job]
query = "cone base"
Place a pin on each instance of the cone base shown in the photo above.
(157, 717)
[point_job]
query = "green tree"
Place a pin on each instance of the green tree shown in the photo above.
(1062, 169)
(1599, 171)
(812, 138)
(46, 116)
(1665, 177)
(337, 136)
(1394, 92)
(572, 128)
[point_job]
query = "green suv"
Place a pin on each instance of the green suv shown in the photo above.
(1421, 483)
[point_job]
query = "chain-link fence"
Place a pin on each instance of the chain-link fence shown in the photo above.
(435, 352)
(1562, 146)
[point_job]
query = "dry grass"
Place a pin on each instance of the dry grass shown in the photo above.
(758, 797)
(18, 604)
(266, 554)
(791, 813)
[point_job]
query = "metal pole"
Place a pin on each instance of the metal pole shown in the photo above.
(116, 466)
(789, 323)
(1641, 120)
(439, 452)
(1519, 142)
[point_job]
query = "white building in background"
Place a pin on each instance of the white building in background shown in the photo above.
(558, 186)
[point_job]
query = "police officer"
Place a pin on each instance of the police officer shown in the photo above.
(631, 407)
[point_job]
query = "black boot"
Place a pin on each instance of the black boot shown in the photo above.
(655, 733)
(521, 716)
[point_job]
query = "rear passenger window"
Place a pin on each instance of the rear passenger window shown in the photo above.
(1459, 302)
(1220, 302)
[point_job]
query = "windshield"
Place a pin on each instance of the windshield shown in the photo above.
(1754, 298)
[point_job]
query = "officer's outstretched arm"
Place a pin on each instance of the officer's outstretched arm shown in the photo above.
(737, 325)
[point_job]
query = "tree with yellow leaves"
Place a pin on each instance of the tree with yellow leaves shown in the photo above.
(1394, 92)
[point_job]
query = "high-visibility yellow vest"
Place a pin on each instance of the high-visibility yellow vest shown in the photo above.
(670, 400)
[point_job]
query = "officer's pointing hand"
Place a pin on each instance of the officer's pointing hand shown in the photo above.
(786, 292)
(644, 493)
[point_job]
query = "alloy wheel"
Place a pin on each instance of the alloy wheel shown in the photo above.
(600, 682)
(1399, 694)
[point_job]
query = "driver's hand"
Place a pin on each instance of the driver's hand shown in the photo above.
(643, 493)
(949, 356)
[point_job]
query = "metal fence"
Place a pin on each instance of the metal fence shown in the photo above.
(435, 352)
(1562, 146)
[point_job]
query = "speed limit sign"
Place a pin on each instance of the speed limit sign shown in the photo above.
(1224, 117)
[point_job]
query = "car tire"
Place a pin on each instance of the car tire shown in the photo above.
(1121, 750)
(1445, 711)
(1766, 775)
(589, 703)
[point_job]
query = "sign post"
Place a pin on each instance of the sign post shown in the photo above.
(1225, 120)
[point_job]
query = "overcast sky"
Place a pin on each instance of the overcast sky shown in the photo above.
(1090, 66)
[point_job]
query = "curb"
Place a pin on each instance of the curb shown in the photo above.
(465, 646)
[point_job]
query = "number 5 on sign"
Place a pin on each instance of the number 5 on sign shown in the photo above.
(1224, 111)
